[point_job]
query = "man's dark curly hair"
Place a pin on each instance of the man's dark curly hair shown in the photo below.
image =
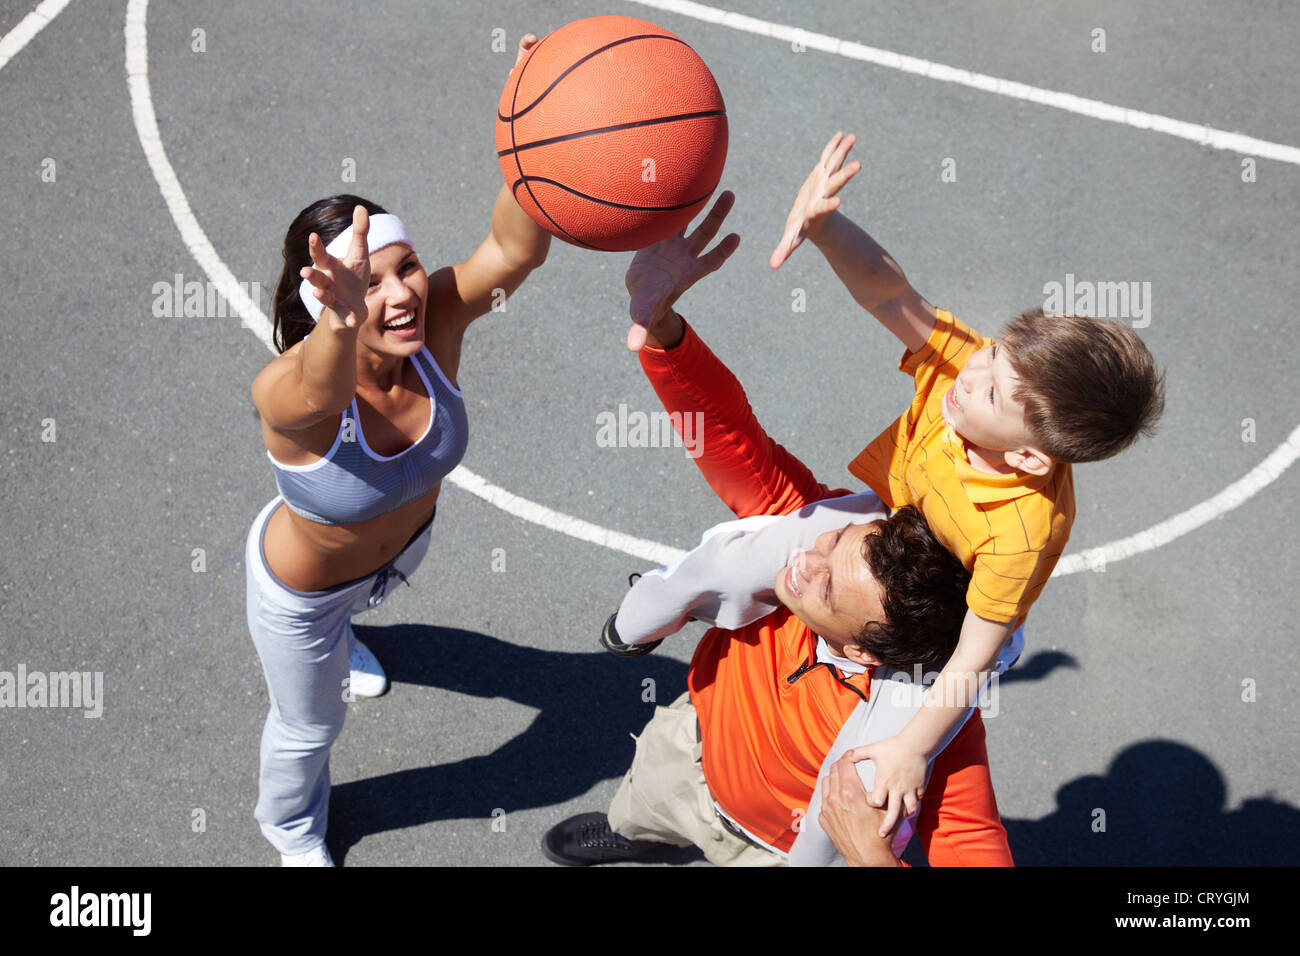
(924, 594)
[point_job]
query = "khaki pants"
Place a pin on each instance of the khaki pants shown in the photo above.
(664, 797)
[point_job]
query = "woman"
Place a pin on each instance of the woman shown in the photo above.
(362, 418)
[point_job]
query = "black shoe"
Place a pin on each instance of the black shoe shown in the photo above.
(586, 840)
(610, 640)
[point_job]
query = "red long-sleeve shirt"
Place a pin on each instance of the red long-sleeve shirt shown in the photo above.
(768, 711)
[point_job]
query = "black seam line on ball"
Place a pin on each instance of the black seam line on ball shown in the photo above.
(616, 205)
(513, 99)
(514, 188)
(643, 36)
(611, 129)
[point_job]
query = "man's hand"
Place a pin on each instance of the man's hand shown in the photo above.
(900, 778)
(341, 283)
(817, 199)
(659, 274)
(852, 823)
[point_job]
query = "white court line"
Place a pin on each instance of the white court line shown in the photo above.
(1266, 472)
(660, 554)
(28, 27)
(137, 69)
(146, 127)
(1096, 109)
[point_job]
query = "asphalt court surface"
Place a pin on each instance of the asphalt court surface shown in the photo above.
(1157, 691)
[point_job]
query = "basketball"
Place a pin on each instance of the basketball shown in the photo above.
(612, 133)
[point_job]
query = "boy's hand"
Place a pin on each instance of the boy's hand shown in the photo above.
(852, 823)
(817, 199)
(659, 274)
(900, 778)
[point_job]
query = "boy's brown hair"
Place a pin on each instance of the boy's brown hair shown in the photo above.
(1089, 387)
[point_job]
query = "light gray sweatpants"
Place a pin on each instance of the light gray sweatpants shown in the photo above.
(304, 640)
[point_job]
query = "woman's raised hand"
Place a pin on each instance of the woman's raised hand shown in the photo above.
(526, 43)
(817, 199)
(341, 284)
(659, 274)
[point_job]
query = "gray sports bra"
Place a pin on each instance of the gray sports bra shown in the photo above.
(353, 484)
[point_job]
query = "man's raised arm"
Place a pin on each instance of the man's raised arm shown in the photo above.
(749, 471)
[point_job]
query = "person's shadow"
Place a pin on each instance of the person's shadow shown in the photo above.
(1161, 803)
(588, 706)
(1038, 665)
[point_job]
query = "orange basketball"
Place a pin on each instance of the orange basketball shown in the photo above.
(612, 133)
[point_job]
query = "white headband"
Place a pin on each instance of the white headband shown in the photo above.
(385, 230)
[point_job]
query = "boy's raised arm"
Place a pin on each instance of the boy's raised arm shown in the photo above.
(869, 272)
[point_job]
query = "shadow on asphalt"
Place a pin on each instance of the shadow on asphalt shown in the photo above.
(1037, 666)
(588, 706)
(1161, 803)
(1164, 806)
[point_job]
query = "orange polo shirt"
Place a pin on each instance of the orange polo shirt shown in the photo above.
(1008, 530)
(768, 711)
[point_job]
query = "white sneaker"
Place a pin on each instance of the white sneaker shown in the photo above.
(367, 678)
(320, 856)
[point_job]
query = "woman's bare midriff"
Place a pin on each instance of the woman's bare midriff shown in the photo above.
(310, 556)
(307, 555)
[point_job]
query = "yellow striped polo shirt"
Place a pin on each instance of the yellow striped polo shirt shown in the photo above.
(1008, 530)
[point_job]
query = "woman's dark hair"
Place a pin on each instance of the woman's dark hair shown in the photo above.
(925, 594)
(327, 218)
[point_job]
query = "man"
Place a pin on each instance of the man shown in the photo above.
(732, 766)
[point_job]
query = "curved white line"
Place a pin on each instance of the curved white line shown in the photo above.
(253, 318)
(660, 554)
(1096, 109)
(1266, 472)
(146, 123)
(28, 27)
(146, 127)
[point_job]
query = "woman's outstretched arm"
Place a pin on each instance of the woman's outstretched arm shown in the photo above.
(459, 294)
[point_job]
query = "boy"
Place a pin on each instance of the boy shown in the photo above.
(984, 452)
